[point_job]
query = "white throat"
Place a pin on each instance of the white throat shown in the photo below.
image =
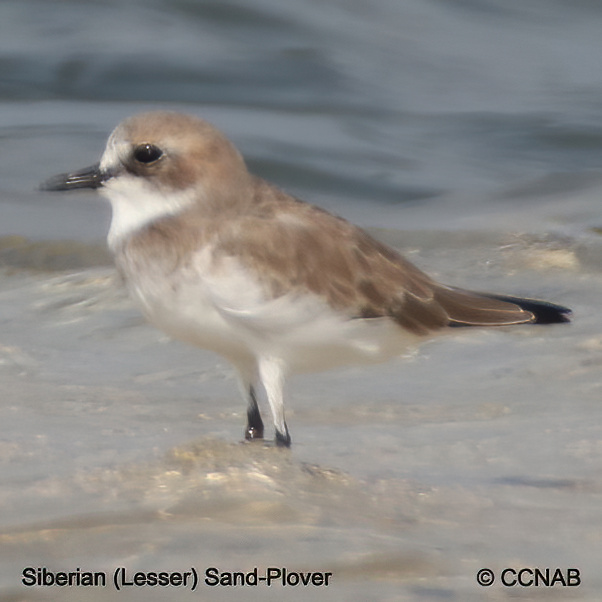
(136, 204)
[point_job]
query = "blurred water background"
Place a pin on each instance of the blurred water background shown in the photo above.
(468, 134)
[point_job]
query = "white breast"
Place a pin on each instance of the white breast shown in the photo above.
(219, 305)
(135, 204)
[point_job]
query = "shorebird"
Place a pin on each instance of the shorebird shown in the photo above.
(222, 259)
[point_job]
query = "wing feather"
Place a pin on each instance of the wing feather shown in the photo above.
(294, 247)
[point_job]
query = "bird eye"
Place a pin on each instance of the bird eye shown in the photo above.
(147, 153)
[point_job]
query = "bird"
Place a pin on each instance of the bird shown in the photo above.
(222, 259)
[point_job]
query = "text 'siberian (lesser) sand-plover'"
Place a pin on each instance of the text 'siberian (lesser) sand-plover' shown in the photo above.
(224, 260)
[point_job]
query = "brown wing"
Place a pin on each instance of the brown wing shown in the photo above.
(466, 308)
(291, 245)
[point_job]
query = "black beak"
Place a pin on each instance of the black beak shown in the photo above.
(90, 177)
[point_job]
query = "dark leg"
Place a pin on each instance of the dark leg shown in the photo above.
(271, 374)
(283, 439)
(254, 428)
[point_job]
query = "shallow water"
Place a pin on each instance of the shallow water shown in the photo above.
(466, 134)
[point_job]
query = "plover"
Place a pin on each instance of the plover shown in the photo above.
(222, 259)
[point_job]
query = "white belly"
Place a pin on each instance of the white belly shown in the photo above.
(227, 312)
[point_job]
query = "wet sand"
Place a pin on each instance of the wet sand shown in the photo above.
(122, 448)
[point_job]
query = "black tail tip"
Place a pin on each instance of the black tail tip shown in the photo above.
(548, 313)
(544, 311)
